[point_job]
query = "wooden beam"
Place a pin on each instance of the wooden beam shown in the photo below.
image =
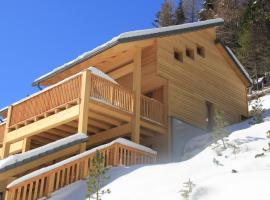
(42, 139)
(153, 127)
(67, 128)
(135, 135)
(85, 94)
(16, 147)
(103, 118)
(6, 145)
(122, 71)
(41, 161)
(99, 124)
(74, 124)
(56, 131)
(26, 144)
(109, 134)
(45, 124)
(109, 111)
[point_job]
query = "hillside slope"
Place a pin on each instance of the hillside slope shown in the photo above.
(213, 181)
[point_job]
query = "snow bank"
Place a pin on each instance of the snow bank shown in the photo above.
(15, 160)
(51, 167)
(163, 182)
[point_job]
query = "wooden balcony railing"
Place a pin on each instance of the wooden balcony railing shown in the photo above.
(68, 91)
(76, 169)
(46, 100)
(107, 92)
(152, 109)
(2, 132)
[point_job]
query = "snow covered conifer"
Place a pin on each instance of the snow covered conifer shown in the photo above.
(97, 176)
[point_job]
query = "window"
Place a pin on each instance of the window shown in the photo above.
(201, 51)
(178, 56)
(190, 53)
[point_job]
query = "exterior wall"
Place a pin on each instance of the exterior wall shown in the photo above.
(195, 81)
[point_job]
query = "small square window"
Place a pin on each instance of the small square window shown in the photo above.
(201, 51)
(178, 56)
(190, 53)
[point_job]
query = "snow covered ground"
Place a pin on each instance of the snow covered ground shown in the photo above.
(212, 181)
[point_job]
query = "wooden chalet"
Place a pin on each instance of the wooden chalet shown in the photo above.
(158, 74)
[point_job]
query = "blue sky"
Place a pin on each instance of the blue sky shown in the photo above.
(39, 35)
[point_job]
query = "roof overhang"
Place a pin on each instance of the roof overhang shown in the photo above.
(132, 37)
(237, 63)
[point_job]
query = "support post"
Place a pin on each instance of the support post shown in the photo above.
(167, 119)
(84, 106)
(135, 132)
(26, 144)
(6, 146)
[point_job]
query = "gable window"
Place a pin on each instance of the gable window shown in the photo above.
(190, 53)
(201, 51)
(178, 56)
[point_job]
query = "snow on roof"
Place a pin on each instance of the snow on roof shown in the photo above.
(51, 167)
(133, 36)
(19, 159)
(101, 74)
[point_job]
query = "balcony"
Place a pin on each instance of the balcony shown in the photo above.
(107, 101)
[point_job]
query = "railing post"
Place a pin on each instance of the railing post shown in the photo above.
(84, 105)
(7, 194)
(136, 120)
(85, 169)
(50, 185)
(6, 146)
(115, 155)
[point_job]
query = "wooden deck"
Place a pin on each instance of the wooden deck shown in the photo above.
(44, 184)
(53, 113)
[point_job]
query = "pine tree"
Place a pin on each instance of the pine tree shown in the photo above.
(166, 16)
(191, 8)
(207, 12)
(257, 111)
(179, 14)
(187, 189)
(255, 35)
(97, 176)
(219, 131)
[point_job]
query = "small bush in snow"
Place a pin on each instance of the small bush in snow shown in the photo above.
(234, 147)
(97, 176)
(257, 111)
(217, 162)
(259, 155)
(219, 132)
(187, 189)
(268, 138)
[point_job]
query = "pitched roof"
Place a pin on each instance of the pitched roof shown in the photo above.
(238, 64)
(131, 37)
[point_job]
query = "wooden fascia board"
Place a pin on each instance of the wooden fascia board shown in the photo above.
(43, 124)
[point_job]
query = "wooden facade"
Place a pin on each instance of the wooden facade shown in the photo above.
(177, 75)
